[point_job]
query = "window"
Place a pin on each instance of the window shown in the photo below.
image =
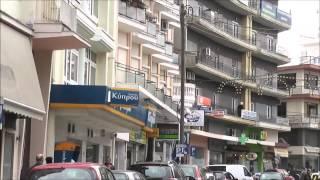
(90, 6)
(254, 71)
(246, 172)
(312, 110)
(231, 132)
(235, 68)
(253, 106)
(254, 38)
(235, 29)
(234, 105)
(71, 66)
(270, 43)
(269, 112)
(90, 68)
(191, 75)
(269, 79)
(310, 81)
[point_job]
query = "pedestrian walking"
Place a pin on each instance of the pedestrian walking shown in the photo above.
(49, 160)
(109, 165)
(306, 175)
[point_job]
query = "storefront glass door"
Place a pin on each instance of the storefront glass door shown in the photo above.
(92, 153)
(8, 156)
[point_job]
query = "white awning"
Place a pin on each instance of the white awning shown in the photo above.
(20, 89)
(310, 149)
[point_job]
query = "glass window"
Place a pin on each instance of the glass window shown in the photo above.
(254, 38)
(231, 132)
(90, 68)
(246, 172)
(270, 43)
(188, 171)
(120, 176)
(92, 153)
(71, 66)
(269, 112)
(150, 171)
(63, 174)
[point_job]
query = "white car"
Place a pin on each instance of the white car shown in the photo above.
(240, 172)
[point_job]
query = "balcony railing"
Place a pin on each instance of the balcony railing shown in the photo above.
(222, 23)
(272, 10)
(314, 91)
(132, 12)
(310, 60)
(151, 29)
(129, 75)
(57, 11)
(304, 120)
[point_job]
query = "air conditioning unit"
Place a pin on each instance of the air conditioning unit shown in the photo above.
(207, 51)
(164, 25)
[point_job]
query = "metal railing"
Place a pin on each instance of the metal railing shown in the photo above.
(304, 120)
(310, 60)
(57, 11)
(132, 12)
(129, 75)
(272, 10)
(151, 28)
(220, 22)
(315, 91)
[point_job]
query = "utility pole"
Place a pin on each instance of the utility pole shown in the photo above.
(182, 68)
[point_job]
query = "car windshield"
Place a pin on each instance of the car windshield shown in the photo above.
(271, 176)
(188, 171)
(153, 171)
(217, 168)
(63, 174)
(120, 176)
(219, 175)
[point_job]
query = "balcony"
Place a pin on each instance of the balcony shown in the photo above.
(55, 26)
(131, 18)
(271, 16)
(166, 56)
(305, 91)
(243, 7)
(190, 97)
(304, 121)
(128, 76)
(310, 60)
(167, 5)
(218, 28)
(267, 49)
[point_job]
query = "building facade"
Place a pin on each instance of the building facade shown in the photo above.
(303, 112)
(231, 62)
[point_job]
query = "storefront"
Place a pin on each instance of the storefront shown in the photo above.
(104, 132)
(199, 154)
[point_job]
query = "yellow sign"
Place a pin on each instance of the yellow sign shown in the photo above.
(154, 134)
(263, 135)
(138, 137)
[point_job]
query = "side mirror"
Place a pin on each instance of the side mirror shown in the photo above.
(190, 178)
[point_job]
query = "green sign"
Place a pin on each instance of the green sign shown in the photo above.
(138, 137)
(243, 139)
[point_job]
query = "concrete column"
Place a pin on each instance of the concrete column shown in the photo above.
(246, 70)
(246, 21)
(51, 133)
(82, 57)
(83, 151)
(38, 137)
(100, 157)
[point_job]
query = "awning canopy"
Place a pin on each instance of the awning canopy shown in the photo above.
(20, 87)
(310, 149)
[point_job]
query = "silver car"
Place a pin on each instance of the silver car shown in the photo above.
(127, 175)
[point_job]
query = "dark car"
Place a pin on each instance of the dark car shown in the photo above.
(193, 171)
(67, 171)
(271, 176)
(160, 170)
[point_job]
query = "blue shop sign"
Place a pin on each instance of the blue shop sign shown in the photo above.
(122, 97)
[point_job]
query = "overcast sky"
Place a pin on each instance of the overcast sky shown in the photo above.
(305, 25)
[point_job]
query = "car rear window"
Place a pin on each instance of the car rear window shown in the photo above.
(217, 168)
(120, 176)
(153, 171)
(63, 174)
(270, 176)
(188, 171)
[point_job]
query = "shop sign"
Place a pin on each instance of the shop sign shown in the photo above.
(218, 113)
(194, 118)
(151, 119)
(243, 139)
(263, 135)
(123, 97)
(251, 156)
(123, 136)
(181, 150)
(193, 151)
(169, 132)
(207, 110)
(154, 134)
(281, 152)
(268, 9)
(203, 101)
(138, 137)
(1, 115)
(251, 115)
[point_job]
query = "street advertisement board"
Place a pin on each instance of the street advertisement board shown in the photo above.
(194, 118)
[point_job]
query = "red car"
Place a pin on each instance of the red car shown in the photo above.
(67, 171)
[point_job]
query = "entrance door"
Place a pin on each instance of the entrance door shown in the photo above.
(8, 156)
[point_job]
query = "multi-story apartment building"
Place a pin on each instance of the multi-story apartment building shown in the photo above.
(232, 57)
(302, 108)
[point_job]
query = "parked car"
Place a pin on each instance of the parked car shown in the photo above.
(315, 176)
(284, 173)
(193, 171)
(160, 170)
(220, 175)
(271, 176)
(67, 171)
(238, 171)
(128, 175)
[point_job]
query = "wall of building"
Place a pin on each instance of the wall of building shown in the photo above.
(261, 103)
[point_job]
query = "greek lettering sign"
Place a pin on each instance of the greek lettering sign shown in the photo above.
(123, 97)
(251, 115)
(181, 150)
(194, 118)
